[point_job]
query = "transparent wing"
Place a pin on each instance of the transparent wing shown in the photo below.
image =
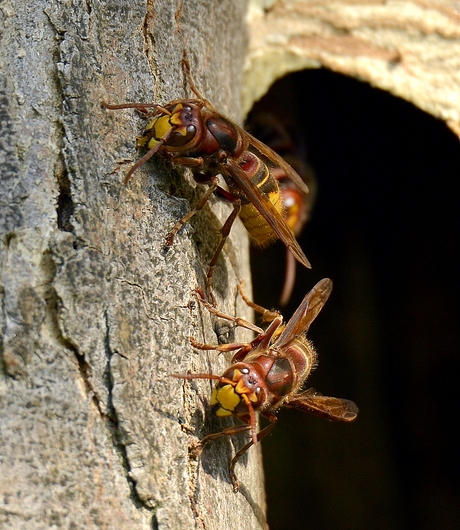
(277, 160)
(336, 409)
(268, 211)
(306, 312)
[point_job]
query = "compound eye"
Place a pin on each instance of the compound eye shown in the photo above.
(178, 140)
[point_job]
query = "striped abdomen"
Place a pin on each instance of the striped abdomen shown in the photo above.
(259, 174)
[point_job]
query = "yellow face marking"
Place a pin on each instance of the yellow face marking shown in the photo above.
(227, 397)
(214, 398)
(221, 413)
(241, 388)
(141, 141)
(161, 126)
(151, 144)
(181, 130)
(175, 118)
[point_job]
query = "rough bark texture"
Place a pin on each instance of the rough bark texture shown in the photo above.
(95, 316)
(410, 48)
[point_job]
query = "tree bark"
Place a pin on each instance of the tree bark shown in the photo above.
(95, 315)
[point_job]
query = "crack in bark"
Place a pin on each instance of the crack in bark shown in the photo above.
(65, 206)
(115, 425)
(53, 303)
(86, 373)
(89, 10)
(110, 415)
(2, 329)
(149, 41)
(65, 211)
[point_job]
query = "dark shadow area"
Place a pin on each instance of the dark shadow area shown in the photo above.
(386, 228)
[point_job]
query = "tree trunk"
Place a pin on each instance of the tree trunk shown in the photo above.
(95, 315)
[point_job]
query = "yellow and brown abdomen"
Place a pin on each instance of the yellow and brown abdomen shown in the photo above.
(255, 223)
(259, 230)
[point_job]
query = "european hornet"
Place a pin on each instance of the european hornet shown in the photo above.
(269, 373)
(267, 127)
(191, 133)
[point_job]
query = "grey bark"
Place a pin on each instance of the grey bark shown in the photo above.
(95, 316)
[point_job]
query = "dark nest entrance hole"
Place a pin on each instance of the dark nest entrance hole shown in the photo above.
(385, 227)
